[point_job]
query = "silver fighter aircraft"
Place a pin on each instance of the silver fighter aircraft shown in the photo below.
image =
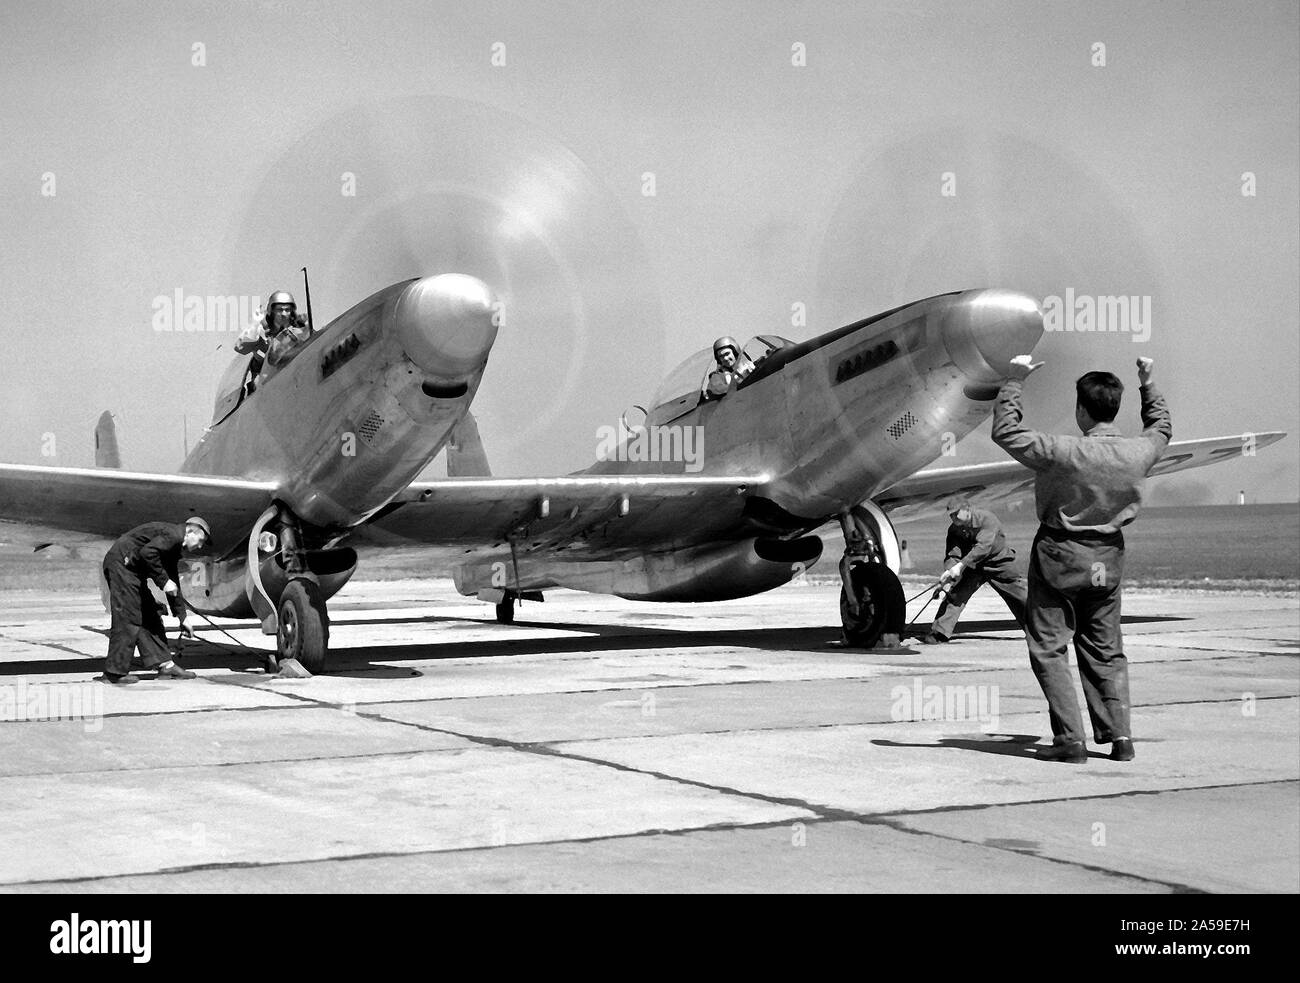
(316, 467)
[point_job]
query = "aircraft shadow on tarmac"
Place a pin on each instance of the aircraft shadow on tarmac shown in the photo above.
(590, 638)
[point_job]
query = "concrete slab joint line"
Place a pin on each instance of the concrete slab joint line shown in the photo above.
(688, 751)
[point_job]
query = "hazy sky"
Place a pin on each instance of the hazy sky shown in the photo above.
(774, 184)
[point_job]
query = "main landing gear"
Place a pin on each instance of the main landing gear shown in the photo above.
(286, 594)
(882, 607)
(303, 632)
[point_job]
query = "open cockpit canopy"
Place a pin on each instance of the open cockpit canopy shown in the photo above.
(682, 388)
(230, 389)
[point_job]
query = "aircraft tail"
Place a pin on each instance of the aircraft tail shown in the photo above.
(106, 452)
(466, 457)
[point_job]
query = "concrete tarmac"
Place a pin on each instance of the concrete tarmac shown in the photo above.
(605, 745)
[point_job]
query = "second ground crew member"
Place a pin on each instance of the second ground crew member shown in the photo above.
(977, 554)
(148, 552)
(1087, 489)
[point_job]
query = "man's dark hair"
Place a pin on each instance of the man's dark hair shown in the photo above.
(1099, 394)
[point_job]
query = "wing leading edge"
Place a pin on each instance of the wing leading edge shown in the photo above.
(568, 511)
(102, 504)
(925, 492)
(572, 512)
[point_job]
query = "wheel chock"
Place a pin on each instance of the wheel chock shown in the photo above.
(292, 669)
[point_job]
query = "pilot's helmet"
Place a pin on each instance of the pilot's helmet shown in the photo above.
(280, 298)
(726, 341)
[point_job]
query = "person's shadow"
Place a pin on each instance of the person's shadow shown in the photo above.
(1015, 745)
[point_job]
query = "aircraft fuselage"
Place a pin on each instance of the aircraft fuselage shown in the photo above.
(838, 419)
(364, 405)
(832, 421)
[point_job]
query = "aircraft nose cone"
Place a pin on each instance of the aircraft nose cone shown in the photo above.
(445, 324)
(985, 329)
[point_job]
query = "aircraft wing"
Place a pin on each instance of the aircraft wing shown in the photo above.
(41, 504)
(926, 491)
(568, 511)
(75, 504)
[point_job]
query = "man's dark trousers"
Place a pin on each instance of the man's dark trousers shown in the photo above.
(999, 574)
(136, 620)
(1074, 595)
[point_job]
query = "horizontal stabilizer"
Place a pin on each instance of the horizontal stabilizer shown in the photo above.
(106, 452)
(466, 457)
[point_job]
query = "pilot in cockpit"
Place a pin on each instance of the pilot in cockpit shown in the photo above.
(732, 366)
(273, 338)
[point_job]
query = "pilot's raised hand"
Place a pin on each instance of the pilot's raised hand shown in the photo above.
(250, 339)
(719, 383)
(170, 587)
(1144, 369)
(1022, 365)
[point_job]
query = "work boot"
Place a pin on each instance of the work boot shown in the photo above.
(1121, 749)
(115, 680)
(1071, 753)
(934, 638)
(174, 671)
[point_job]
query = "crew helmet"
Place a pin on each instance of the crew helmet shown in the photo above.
(726, 341)
(200, 523)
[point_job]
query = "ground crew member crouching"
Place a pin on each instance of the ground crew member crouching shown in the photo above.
(148, 552)
(977, 553)
(1087, 489)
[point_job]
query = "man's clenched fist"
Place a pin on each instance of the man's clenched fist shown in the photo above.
(1144, 369)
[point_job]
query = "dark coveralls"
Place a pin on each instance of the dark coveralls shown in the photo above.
(148, 552)
(982, 549)
(1086, 489)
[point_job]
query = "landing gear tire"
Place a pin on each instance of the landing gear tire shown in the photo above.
(304, 632)
(506, 610)
(881, 607)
